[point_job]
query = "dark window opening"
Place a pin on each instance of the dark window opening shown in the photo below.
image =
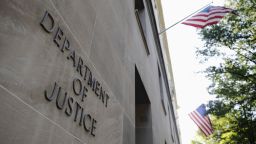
(143, 117)
(139, 5)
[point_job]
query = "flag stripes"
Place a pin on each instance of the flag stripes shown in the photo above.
(209, 16)
(199, 125)
(202, 120)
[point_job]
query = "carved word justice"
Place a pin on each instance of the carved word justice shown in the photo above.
(68, 103)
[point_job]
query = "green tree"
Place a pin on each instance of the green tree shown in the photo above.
(226, 131)
(234, 79)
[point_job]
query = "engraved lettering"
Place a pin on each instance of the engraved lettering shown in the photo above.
(86, 79)
(90, 79)
(69, 109)
(66, 45)
(77, 86)
(93, 84)
(85, 73)
(93, 128)
(52, 96)
(97, 92)
(58, 101)
(102, 94)
(80, 66)
(72, 56)
(47, 22)
(107, 98)
(85, 90)
(81, 117)
(78, 108)
(87, 118)
(58, 37)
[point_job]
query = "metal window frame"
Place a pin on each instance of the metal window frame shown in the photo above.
(142, 31)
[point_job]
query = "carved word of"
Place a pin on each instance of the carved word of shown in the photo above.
(49, 25)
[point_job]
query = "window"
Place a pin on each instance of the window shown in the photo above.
(143, 116)
(141, 19)
(161, 90)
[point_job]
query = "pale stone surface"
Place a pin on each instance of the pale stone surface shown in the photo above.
(33, 62)
(106, 36)
(128, 131)
(80, 16)
(20, 123)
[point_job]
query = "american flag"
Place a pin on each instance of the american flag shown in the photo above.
(208, 16)
(202, 120)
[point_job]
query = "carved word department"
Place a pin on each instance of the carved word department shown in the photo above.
(63, 100)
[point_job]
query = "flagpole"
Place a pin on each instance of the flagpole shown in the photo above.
(184, 18)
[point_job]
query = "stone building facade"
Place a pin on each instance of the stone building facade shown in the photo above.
(85, 72)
